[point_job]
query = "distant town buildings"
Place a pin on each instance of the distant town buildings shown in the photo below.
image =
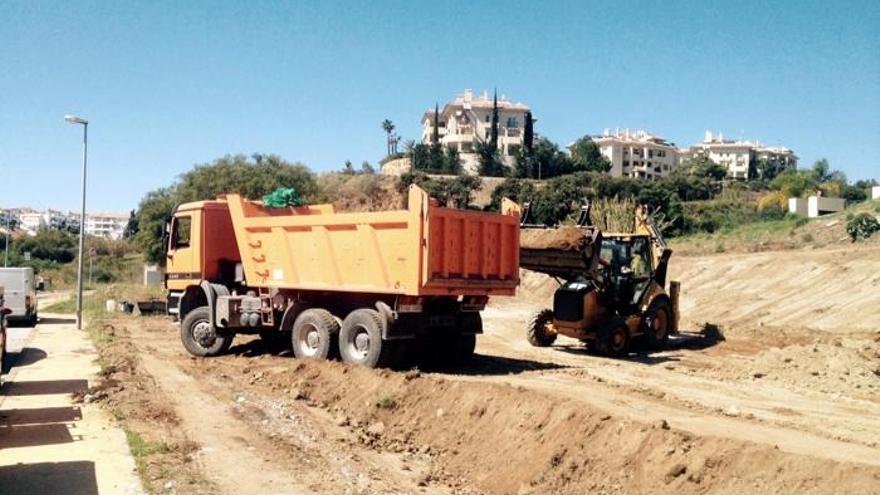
(467, 120)
(637, 154)
(30, 221)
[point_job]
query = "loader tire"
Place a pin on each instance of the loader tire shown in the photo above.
(658, 323)
(200, 338)
(360, 340)
(538, 333)
(612, 338)
(315, 335)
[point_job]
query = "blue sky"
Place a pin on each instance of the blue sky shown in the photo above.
(170, 84)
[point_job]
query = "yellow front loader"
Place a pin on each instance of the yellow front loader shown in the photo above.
(613, 284)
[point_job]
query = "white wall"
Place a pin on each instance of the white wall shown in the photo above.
(797, 206)
(820, 205)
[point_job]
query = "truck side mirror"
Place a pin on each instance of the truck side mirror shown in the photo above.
(5, 311)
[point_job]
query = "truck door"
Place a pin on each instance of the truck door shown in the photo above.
(182, 263)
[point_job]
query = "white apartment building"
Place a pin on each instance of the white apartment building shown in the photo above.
(32, 221)
(778, 154)
(467, 120)
(110, 225)
(637, 154)
(737, 156)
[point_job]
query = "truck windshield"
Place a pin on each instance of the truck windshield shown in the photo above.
(181, 235)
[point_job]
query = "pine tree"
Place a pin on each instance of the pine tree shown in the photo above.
(435, 138)
(493, 137)
(528, 134)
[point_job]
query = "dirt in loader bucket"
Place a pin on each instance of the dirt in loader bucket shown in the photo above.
(564, 237)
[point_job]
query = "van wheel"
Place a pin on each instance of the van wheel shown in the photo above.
(658, 323)
(315, 334)
(612, 338)
(540, 330)
(360, 340)
(2, 349)
(200, 338)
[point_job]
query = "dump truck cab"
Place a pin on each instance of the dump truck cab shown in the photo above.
(419, 274)
(200, 248)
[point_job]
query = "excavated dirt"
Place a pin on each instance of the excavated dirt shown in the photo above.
(786, 402)
(564, 237)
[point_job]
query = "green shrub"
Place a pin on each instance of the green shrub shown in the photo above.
(807, 237)
(862, 227)
(850, 215)
(801, 221)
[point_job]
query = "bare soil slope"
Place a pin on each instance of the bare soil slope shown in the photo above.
(786, 404)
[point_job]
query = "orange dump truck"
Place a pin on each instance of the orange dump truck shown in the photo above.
(369, 287)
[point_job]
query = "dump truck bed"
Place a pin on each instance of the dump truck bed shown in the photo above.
(425, 250)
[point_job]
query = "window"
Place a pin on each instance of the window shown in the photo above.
(512, 123)
(488, 117)
(182, 231)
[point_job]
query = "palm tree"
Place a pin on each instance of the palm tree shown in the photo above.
(388, 127)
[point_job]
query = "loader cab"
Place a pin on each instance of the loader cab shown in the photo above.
(199, 244)
(627, 260)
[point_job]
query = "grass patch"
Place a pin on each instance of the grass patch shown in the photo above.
(140, 447)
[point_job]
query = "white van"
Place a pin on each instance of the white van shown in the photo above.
(20, 294)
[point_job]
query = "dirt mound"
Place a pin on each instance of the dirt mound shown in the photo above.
(498, 439)
(831, 290)
(564, 237)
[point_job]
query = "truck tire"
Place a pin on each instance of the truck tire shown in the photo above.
(657, 323)
(612, 338)
(199, 337)
(315, 335)
(360, 340)
(537, 332)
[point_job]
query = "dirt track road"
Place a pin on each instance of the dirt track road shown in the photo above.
(787, 403)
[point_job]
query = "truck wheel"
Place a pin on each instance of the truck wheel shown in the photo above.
(360, 340)
(612, 338)
(657, 323)
(315, 334)
(539, 331)
(199, 337)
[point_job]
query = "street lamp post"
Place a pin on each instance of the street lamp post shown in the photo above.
(72, 119)
(6, 255)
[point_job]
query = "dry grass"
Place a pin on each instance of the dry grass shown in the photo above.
(614, 214)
